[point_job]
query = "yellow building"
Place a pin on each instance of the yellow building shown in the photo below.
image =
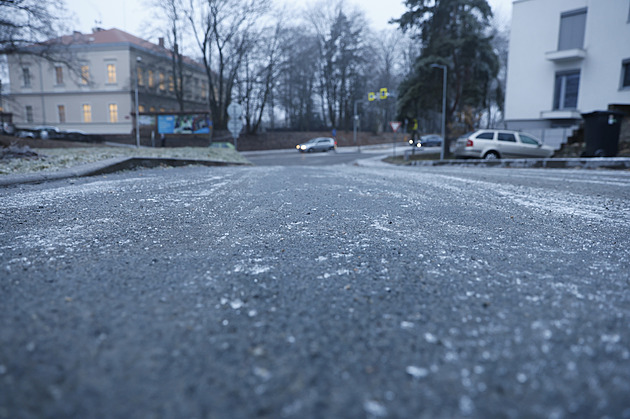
(95, 92)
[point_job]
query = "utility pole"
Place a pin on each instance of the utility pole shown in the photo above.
(445, 69)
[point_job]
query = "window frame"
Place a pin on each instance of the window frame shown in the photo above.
(61, 113)
(112, 110)
(527, 139)
(85, 75)
(564, 41)
(624, 82)
(560, 96)
(111, 73)
(86, 109)
(506, 137)
(26, 77)
(28, 109)
(483, 135)
(162, 81)
(59, 75)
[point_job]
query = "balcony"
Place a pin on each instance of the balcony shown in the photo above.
(561, 114)
(575, 54)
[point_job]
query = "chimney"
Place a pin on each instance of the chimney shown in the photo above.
(161, 42)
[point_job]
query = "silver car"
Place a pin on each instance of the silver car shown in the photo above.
(317, 144)
(496, 144)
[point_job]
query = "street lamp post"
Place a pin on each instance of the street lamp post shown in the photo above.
(138, 60)
(355, 119)
(445, 69)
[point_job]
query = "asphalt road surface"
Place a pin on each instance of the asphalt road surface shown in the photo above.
(317, 292)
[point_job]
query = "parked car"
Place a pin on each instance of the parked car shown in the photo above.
(496, 144)
(317, 144)
(25, 133)
(47, 132)
(8, 128)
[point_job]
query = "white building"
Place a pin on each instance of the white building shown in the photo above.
(97, 94)
(566, 58)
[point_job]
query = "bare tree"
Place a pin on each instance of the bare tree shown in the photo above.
(224, 34)
(341, 35)
(31, 27)
(300, 58)
(259, 74)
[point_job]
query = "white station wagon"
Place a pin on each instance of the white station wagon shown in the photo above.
(498, 144)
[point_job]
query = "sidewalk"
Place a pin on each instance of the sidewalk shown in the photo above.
(107, 166)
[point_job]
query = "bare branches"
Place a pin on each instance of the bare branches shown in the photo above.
(25, 23)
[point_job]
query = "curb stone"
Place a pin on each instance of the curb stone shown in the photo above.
(108, 166)
(618, 163)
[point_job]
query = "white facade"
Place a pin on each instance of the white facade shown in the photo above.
(98, 94)
(548, 55)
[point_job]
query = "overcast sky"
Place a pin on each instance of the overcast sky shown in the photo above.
(132, 15)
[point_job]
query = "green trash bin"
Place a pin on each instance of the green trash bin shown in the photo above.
(601, 133)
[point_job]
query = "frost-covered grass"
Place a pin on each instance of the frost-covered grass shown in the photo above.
(53, 159)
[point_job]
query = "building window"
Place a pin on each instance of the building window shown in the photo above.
(61, 111)
(140, 76)
(572, 27)
(59, 74)
(140, 108)
(26, 75)
(152, 109)
(162, 85)
(151, 83)
(203, 89)
(87, 113)
(29, 113)
(566, 90)
(171, 84)
(113, 112)
(111, 73)
(625, 74)
(85, 74)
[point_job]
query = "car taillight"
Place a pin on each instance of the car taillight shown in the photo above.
(469, 143)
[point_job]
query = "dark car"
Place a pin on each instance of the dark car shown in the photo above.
(430, 140)
(317, 144)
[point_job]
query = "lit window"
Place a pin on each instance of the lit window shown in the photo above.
(151, 83)
(87, 113)
(29, 114)
(113, 112)
(152, 109)
(111, 73)
(572, 26)
(625, 75)
(59, 74)
(26, 74)
(61, 111)
(85, 74)
(140, 77)
(566, 90)
(162, 85)
(171, 84)
(140, 108)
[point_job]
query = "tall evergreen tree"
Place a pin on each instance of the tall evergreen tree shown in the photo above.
(454, 33)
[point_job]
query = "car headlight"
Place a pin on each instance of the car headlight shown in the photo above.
(418, 145)
(303, 147)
